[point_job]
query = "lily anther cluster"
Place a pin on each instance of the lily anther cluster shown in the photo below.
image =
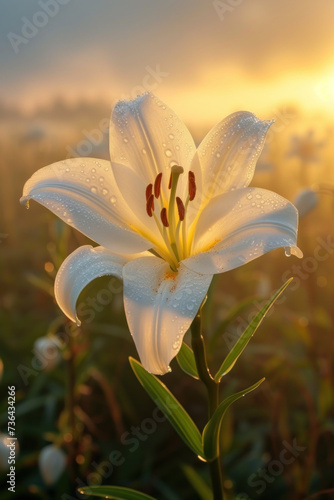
(166, 216)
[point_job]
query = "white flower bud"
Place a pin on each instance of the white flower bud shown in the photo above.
(9, 448)
(52, 462)
(305, 201)
(47, 351)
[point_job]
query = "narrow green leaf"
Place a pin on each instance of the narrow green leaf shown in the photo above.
(114, 493)
(200, 486)
(211, 431)
(242, 342)
(186, 360)
(169, 405)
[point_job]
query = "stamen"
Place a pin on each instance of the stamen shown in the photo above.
(163, 216)
(157, 185)
(192, 185)
(149, 190)
(150, 205)
(180, 208)
(170, 181)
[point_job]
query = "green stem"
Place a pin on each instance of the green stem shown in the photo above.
(212, 388)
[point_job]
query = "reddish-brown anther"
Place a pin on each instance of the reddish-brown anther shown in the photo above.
(163, 216)
(180, 208)
(149, 191)
(157, 185)
(150, 205)
(192, 185)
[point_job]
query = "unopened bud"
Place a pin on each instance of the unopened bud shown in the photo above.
(52, 463)
(47, 351)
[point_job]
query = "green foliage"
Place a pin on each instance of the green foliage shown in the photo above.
(242, 342)
(212, 429)
(186, 361)
(114, 493)
(169, 405)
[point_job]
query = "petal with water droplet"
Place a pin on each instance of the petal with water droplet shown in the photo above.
(160, 306)
(228, 154)
(84, 206)
(150, 149)
(241, 230)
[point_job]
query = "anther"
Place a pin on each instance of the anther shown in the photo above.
(180, 208)
(192, 185)
(149, 190)
(157, 185)
(150, 205)
(163, 216)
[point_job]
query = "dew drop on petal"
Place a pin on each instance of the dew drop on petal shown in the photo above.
(93, 190)
(171, 136)
(287, 251)
(93, 170)
(113, 199)
(105, 191)
(168, 153)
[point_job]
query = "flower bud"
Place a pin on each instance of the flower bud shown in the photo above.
(305, 201)
(9, 449)
(47, 351)
(52, 463)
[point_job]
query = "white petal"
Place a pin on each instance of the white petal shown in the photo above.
(239, 226)
(80, 268)
(228, 154)
(52, 462)
(147, 136)
(83, 193)
(160, 306)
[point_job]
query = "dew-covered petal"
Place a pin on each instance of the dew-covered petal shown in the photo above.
(147, 136)
(83, 193)
(228, 154)
(80, 268)
(160, 306)
(239, 226)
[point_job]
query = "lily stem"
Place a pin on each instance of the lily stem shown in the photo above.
(212, 387)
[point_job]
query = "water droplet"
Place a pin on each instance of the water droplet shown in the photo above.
(287, 251)
(171, 136)
(168, 153)
(190, 307)
(176, 345)
(143, 151)
(101, 179)
(218, 155)
(249, 196)
(105, 191)
(87, 180)
(93, 190)
(93, 170)
(113, 199)
(125, 139)
(67, 169)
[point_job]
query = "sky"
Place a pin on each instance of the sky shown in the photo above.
(204, 58)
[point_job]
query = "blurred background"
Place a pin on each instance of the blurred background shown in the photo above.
(82, 417)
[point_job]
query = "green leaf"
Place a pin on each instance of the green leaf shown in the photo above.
(114, 493)
(200, 486)
(186, 360)
(169, 405)
(242, 342)
(211, 431)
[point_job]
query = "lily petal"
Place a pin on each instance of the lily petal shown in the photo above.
(147, 136)
(239, 226)
(83, 193)
(228, 154)
(80, 268)
(160, 306)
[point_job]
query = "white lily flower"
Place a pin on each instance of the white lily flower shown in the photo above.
(166, 216)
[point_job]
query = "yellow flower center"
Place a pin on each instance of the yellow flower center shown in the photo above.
(171, 218)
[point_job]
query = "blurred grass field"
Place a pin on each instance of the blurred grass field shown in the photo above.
(293, 349)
